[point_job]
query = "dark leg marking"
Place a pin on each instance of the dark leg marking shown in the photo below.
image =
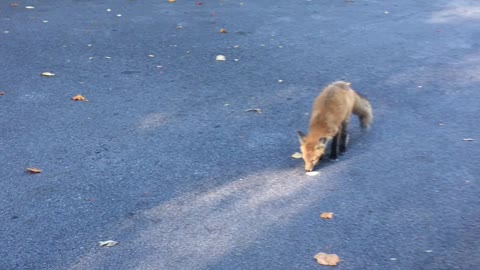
(334, 151)
(343, 138)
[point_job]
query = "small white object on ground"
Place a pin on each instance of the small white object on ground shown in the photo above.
(312, 173)
(221, 57)
(108, 243)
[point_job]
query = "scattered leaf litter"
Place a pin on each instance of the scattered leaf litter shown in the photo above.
(79, 98)
(257, 110)
(33, 170)
(108, 243)
(326, 215)
(327, 259)
(48, 74)
(221, 57)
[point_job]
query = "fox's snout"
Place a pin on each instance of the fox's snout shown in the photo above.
(309, 167)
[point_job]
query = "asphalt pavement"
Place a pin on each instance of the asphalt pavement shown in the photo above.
(186, 162)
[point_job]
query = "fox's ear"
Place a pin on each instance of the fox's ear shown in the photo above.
(301, 136)
(322, 141)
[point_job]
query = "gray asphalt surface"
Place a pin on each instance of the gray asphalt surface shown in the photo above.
(165, 160)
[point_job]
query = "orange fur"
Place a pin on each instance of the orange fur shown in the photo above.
(330, 114)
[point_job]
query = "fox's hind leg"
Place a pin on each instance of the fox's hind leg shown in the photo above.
(343, 138)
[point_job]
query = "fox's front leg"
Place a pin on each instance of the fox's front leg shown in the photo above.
(334, 146)
(343, 138)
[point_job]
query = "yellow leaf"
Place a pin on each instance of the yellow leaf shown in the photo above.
(79, 98)
(33, 170)
(327, 215)
(327, 259)
(297, 155)
(48, 74)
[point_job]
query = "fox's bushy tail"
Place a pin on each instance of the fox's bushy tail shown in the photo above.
(363, 110)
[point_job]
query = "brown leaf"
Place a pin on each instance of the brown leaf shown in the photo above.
(326, 215)
(13, 5)
(33, 170)
(223, 31)
(2, 93)
(79, 98)
(327, 259)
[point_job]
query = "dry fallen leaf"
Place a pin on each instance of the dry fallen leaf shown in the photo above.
(468, 140)
(108, 243)
(79, 98)
(221, 57)
(48, 74)
(33, 170)
(297, 155)
(312, 173)
(14, 5)
(326, 215)
(254, 110)
(172, 1)
(223, 31)
(2, 93)
(327, 259)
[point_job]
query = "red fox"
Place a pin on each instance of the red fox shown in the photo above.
(329, 120)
